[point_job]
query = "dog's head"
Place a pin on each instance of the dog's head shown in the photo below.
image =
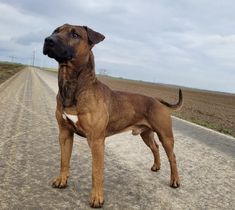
(70, 42)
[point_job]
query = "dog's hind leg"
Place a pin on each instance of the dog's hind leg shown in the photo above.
(167, 141)
(160, 121)
(148, 138)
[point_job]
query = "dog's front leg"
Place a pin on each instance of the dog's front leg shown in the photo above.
(97, 151)
(66, 145)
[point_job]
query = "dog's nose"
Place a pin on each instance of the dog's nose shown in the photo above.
(49, 41)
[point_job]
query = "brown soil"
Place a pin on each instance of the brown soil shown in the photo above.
(211, 109)
(8, 69)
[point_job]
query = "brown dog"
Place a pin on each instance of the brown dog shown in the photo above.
(91, 109)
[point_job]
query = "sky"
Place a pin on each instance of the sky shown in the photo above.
(182, 42)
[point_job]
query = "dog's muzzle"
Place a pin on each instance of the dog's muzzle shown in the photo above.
(54, 48)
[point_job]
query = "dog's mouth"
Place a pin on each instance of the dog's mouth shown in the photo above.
(58, 51)
(59, 56)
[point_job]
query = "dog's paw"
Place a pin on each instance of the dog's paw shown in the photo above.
(155, 167)
(175, 182)
(60, 181)
(96, 200)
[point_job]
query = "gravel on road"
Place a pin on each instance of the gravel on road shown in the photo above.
(30, 159)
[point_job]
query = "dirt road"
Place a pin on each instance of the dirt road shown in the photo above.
(29, 159)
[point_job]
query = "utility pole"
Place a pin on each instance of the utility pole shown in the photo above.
(12, 58)
(42, 62)
(103, 72)
(33, 59)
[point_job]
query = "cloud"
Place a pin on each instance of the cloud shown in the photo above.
(31, 37)
(189, 43)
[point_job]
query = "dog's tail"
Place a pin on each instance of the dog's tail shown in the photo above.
(176, 106)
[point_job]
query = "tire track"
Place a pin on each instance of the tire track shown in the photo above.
(18, 150)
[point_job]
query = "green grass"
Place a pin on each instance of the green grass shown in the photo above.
(207, 124)
(213, 126)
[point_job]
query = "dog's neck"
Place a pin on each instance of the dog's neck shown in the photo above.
(73, 78)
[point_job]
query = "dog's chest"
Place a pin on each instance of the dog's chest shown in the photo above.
(72, 118)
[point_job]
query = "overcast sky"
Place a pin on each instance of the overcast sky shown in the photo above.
(183, 42)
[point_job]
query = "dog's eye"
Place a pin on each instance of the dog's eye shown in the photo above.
(75, 35)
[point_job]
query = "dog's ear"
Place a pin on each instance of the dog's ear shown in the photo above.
(93, 36)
